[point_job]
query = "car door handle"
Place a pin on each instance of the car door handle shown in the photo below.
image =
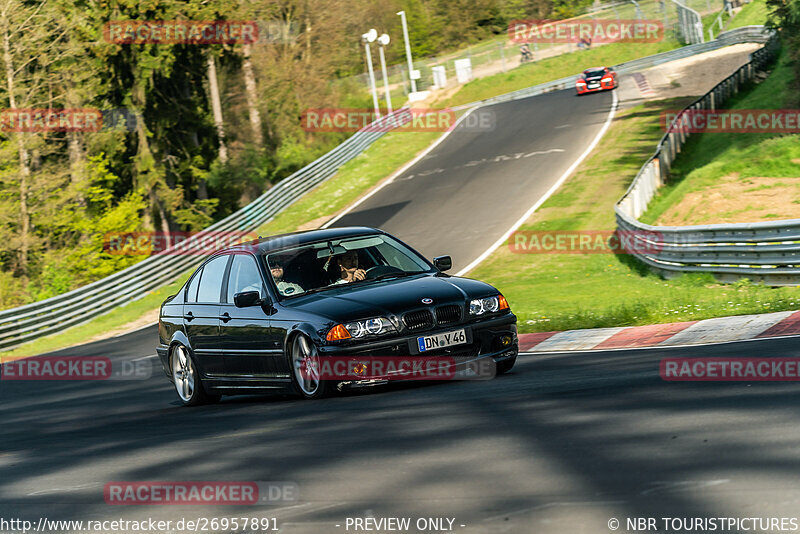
(189, 316)
(225, 317)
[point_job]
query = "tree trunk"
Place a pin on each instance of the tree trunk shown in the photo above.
(250, 91)
(75, 150)
(216, 108)
(308, 41)
(24, 165)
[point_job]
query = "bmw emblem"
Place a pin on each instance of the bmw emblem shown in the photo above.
(426, 300)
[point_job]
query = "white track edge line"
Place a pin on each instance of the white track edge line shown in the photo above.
(550, 192)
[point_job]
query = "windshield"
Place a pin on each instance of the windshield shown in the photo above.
(595, 73)
(328, 264)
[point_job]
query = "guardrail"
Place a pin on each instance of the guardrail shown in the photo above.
(32, 321)
(767, 251)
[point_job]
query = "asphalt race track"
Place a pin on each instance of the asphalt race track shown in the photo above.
(468, 191)
(562, 444)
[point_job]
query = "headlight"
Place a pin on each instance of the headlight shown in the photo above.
(487, 305)
(358, 329)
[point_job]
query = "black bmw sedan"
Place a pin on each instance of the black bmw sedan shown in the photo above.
(271, 313)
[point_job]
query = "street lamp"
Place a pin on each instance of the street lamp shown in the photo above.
(408, 52)
(383, 40)
(368, 38)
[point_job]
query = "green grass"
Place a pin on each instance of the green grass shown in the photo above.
(567, 291)
(705, 158)
(101, 325)
(554, 68)
(754, 13)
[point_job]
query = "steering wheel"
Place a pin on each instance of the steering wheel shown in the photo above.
(380, 270)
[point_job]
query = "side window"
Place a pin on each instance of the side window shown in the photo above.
(191, 291)
(244, 277)
(211, 281)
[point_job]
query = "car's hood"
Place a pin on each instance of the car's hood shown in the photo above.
(390, 297)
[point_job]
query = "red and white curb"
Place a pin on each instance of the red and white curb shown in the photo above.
(718, 330)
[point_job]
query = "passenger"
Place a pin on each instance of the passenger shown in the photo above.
(348, 265)
(285, 288)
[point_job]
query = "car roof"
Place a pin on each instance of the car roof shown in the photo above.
(594, 68)
(276, 242)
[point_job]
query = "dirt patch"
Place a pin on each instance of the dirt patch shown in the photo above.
(737, 200)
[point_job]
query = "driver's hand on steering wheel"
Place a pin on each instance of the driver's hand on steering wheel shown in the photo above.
(359, 274)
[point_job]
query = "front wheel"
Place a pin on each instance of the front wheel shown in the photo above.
(188, 383)
(304, 359)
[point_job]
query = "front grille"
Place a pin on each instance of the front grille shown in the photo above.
(417, 320)
(448, 314)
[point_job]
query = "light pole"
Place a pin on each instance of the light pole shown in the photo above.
(369, 37)
(383, 40)
(408, 52)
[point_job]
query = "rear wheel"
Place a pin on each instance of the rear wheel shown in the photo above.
(305, 362)
(188, 383)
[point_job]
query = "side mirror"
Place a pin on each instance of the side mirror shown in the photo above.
(247, 299)
(443, 263)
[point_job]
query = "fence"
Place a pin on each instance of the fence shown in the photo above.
(690, 23)
(765, 251)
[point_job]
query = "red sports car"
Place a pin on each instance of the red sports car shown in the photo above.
(596, 79)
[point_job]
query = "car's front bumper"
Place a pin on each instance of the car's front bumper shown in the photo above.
(485, 344)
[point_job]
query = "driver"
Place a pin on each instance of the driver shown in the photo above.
(285, 288)
(348, 266)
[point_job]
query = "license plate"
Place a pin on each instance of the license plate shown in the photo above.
(594, 85)
(438, 341)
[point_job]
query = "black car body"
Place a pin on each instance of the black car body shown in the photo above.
(231, 330)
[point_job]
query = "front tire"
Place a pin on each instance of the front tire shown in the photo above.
(305, 366)
(188, 384)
